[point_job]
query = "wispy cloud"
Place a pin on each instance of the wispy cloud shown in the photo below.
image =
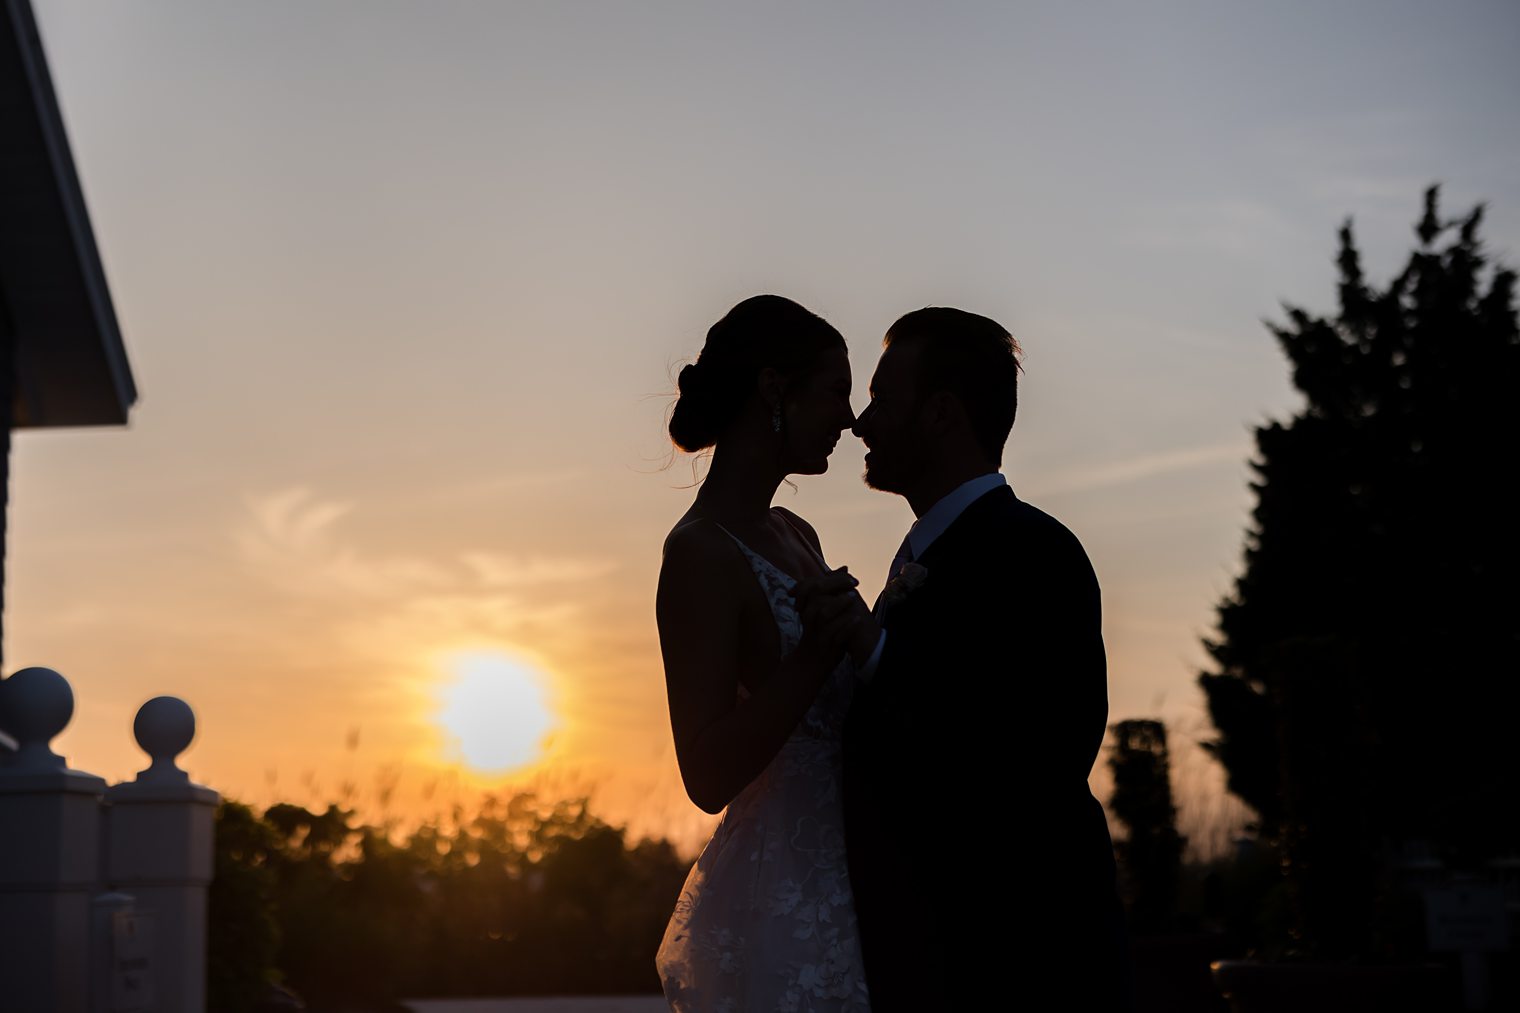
(291, 537)
(1136, 469)
(294, 538)
(496, 488)
(865, 503)
(1352, 190)
(505, 571)
(1228, 226)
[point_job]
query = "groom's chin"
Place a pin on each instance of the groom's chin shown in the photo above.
(874, 479)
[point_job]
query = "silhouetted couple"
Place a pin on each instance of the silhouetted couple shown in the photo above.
(906, 818)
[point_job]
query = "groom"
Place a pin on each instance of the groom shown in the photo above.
(981, 865)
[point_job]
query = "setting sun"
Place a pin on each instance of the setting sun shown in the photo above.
(495, 711)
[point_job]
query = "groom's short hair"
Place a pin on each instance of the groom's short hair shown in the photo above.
(971, 356)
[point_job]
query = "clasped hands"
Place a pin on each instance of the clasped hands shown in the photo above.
(835, 618)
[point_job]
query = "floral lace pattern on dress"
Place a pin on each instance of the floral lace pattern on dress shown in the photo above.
(765, 920)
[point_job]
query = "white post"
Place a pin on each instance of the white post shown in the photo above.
(49, 851)
(121, 957)
(159, 850)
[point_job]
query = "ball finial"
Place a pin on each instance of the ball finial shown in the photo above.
(164, 727)
(35, 705)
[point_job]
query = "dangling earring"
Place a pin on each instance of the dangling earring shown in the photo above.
(776, 420)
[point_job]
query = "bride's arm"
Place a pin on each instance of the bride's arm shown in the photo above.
(721, 747)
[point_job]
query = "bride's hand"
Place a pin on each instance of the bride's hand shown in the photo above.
(865, 632)
(859, 626)
(831, 608)
(821, 606)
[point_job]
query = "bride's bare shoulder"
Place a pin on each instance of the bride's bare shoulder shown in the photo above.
(695, 538)
(698, 564)
(801, 526)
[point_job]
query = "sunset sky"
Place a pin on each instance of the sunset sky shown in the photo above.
(405, 286)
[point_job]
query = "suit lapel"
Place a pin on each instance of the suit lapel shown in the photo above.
(949, 544)
(965, 527)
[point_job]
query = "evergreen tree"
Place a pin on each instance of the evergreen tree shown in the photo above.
(1150, 856)
(1365, 666)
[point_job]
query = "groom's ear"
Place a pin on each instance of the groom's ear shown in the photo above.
(940, 412)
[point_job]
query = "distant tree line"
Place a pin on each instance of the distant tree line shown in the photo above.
(525, 897)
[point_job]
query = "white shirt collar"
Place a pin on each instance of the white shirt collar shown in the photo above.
(938, 518)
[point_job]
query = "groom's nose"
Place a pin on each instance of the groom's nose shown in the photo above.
(861, 421)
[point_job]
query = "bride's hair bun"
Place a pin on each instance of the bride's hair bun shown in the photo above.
(693, 424)
(764, 330)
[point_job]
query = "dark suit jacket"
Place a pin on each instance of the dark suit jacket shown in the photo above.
(980, 863)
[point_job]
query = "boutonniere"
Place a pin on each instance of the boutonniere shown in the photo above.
(909, 579)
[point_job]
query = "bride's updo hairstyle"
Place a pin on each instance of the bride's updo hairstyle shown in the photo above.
(762, 331)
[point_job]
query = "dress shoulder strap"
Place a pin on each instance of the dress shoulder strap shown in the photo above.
(787, 516)
(745, 549)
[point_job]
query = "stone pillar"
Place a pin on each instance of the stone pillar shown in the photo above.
(159, 850)
(49, 851)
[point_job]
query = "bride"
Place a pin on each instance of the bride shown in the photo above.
(757, 697)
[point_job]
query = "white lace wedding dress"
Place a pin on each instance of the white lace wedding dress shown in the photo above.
(765, 921)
